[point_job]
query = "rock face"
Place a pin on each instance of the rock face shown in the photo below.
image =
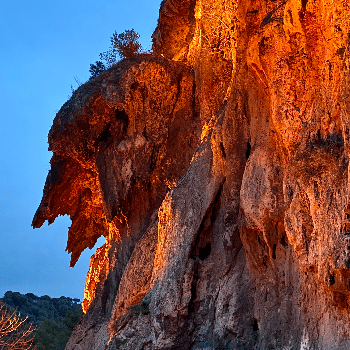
(217, 170)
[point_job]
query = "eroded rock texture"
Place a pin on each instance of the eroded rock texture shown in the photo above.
(217, 170)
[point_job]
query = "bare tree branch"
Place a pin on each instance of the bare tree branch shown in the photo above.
(15, 332)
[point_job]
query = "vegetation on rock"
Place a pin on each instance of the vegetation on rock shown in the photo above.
(123, 45)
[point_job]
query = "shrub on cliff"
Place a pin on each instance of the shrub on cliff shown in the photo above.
(123, 45)
(126, 43)
(96, 69)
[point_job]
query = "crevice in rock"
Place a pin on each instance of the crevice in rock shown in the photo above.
(154, 156)
(123, 117)
(247, 153)
(105, 134)
(264, 261)
(194, 109)
(283, 240)
(347, 263)
(317, 194)
(192, 21)
(303, 6)
(178, 93)
(222, 148)
(274, 252)
(345, 230)
(290, 192)
(255, 325)
(204, 235)
(259, 240)
(191, 305)
(134, 85)
(105, 294)
(201, 248)
(204, 252)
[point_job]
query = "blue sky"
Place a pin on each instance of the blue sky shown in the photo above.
(43, 47)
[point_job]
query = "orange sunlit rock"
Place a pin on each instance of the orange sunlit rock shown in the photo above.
(99, 267)
(222, 159)
(98, 262)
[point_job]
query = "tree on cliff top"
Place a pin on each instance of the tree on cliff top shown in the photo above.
(15, 332)
(126, 43)
(123, 45)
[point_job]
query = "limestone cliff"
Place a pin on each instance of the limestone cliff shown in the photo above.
(217, 169)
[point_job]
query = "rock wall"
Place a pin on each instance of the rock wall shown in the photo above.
(217, 170)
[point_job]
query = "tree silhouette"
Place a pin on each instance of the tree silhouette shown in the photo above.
(96, 69)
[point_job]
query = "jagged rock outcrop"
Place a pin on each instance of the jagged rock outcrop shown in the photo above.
(217, 169)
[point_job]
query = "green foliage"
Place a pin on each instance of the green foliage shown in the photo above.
(39, 309)
(55, 318)
(46, 335)
(54, 335)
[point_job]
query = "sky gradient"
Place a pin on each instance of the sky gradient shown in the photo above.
(45, 47)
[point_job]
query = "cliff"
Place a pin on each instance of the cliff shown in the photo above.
(217, 169)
